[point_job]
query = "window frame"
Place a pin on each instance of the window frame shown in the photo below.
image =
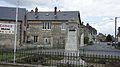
(46, 25)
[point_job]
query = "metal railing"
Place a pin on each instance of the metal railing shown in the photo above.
(61, 58)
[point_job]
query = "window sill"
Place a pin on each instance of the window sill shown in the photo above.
(63, 29)
(46, 29)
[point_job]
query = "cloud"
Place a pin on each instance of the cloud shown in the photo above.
(106, 26)
(93, 7)
(86, 7)
(32, 3)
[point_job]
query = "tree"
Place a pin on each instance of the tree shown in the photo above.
(118, 44)
(108, 38)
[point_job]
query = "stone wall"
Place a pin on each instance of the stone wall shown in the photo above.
(7, 40)
(56, 35)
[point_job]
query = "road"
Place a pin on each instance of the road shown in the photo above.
(101, 46)
(98, 49)
(102, 49)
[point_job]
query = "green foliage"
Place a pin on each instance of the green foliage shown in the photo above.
(108, 38)
(59, 46)
(86, 40)
(101, 40)
(118, 44)
(90, 43)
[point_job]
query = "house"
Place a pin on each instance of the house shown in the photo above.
(90, 32)
(101, 37)
(51, 28)
(8, 16)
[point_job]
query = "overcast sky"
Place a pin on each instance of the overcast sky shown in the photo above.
(95, 12)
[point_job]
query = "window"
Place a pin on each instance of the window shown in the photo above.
(63, 26)
(62, 40)
(47, 25)
(35, 38)
(46, 40)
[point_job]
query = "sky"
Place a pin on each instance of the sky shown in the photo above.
(98, 13)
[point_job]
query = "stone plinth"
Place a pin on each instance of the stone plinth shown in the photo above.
(82, 40)
(118, 39)
(71, 44)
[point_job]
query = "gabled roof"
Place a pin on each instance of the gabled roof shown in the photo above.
(61, 15)
(9, 13)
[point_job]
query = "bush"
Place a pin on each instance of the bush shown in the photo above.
(90, 43)
(59, 46)
(118, 44)
(86, 40)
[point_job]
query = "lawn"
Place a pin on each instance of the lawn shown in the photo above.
(8, 56)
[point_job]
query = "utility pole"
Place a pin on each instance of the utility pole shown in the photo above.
(115, 30)
(15, 42)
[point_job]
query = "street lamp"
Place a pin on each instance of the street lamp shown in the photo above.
(115, 28)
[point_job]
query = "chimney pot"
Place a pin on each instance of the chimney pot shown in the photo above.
(55, 12)
(32, 11)
(36, 11)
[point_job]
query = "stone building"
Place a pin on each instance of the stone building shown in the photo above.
(44, 28)
(51, 28)
(101, 37)
(8, 16)
(119, 34)
(89, 32)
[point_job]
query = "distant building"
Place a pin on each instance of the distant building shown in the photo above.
(90, 32)
(101, 37)
(118, 34)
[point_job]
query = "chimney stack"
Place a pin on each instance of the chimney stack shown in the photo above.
(36, 11)
(87, 24)
(55, 12)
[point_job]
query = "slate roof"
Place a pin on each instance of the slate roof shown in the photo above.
(62, 15)
(9, 13)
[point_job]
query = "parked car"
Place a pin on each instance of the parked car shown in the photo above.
(108, 43)
(113, 44)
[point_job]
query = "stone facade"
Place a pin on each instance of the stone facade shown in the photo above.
(45, 28)
(56, 36)
(7, 40)
(50, 28)
(8, 16)
(48, 37)
(101, 37)
(89, 32)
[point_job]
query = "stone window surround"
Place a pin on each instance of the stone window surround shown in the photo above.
(46, 26)
(47, 40)
(63, 26)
